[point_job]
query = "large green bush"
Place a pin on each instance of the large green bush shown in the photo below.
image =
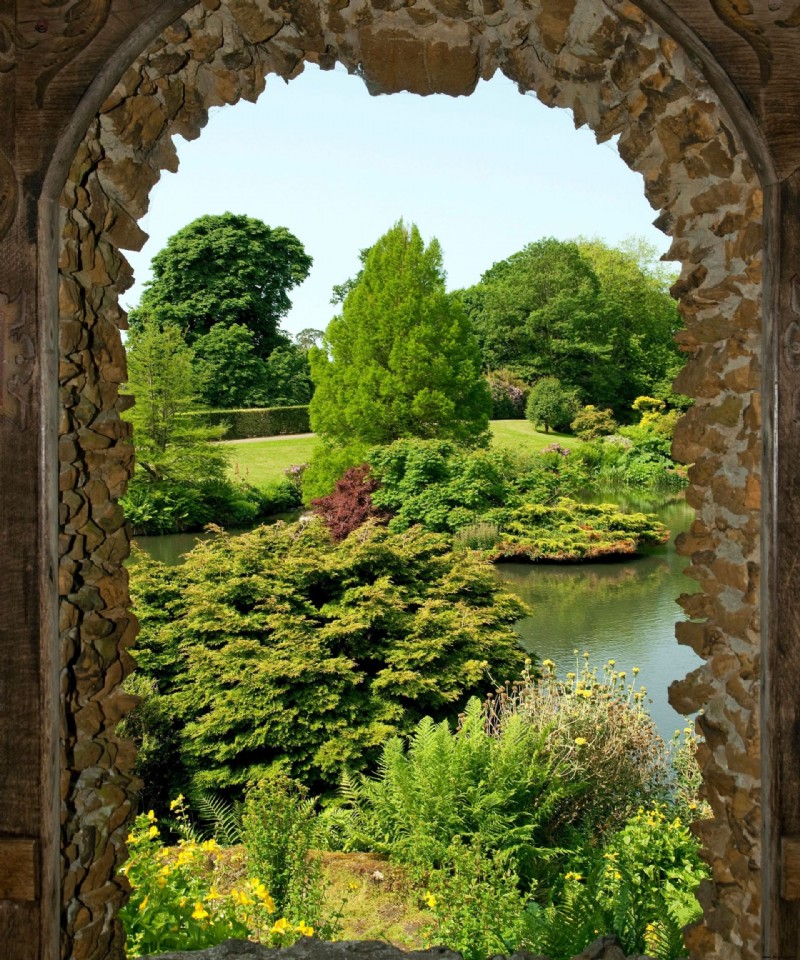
(437, 483)
(279, 647)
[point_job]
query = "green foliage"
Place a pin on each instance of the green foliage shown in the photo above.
(551, 405)
(599, 733)
(593, 422)
(181, 481)
(233, 374)
(162, 380)
(640, 888)
(175, 902)
(281, 838)
(476, 905)
(288, 377)
(278, 647)
(400, 360)
(259, 422)
(504, 792)
(328, 464)
(171, 904)
(225, 269)
(179, 502)
(570, 531)
(438, 484)
(599, 319)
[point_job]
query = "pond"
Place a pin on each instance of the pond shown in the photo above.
(624, 610)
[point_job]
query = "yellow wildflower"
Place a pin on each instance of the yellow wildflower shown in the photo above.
(352, 886)
(635, 671)
(152, 832)
(177, 802)
(586, 694)
(548, 663)
(199, 912)
(304, 930)
(213, 893)
(611, 663)
(208, 845)
(151, 816)
(281, 926)
(430, 899)
(581, 741)
(571, 875)
(143, 904)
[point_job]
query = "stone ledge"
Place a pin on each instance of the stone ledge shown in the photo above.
(309, 948)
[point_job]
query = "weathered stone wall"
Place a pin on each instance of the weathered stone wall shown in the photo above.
(617, 72)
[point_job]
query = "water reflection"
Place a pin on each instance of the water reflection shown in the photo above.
(624, 610)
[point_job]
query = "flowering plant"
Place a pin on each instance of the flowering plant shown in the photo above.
(175, 903)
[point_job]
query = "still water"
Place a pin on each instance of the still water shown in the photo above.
(624, 610)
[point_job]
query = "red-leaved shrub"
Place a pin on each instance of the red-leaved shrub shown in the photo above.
(350, 504)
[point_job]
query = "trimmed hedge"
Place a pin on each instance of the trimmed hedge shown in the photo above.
(256, 422)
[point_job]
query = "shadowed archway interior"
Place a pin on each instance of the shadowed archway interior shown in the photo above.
(617, 72)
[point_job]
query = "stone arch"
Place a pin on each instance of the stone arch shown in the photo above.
(623, 76)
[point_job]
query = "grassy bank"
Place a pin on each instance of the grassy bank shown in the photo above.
(262, 461)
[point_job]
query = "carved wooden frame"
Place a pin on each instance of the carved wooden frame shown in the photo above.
(85, 32)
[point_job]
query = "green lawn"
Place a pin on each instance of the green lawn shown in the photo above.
(521, 435)
(260, 461)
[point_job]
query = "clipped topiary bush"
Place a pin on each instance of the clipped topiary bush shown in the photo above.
(255, 422)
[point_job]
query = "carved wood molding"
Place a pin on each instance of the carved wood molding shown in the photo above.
(17, 363)
(82, 21)
(9, 194)
(18, 874)
(753, 26)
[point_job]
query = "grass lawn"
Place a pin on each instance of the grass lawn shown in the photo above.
(522, 435)
(260, 461)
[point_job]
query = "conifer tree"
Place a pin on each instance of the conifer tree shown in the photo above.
(400, 360)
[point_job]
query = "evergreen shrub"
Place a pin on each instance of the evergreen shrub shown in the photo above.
(280, 647)
(254, 422)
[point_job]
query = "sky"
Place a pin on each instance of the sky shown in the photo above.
(485, 174)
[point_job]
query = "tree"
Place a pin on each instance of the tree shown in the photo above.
(233, 374)
(598, 318)
(161, 377)
(278, 647)
(228, 269)
(641, 319)
(551, 404)
(537, 313)
(400, 360)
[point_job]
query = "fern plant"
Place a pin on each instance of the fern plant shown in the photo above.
(504, 793)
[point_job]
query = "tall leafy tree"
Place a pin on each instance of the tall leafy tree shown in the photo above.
(225, 269)
(537, 313)
(640, 318)
(161, 377)
(400, 360)
(597, 318)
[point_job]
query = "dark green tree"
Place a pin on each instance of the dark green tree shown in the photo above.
(228, 269)
(537, 314)
(599, 319)
(233, 374)
(551, 405)
(400, 360)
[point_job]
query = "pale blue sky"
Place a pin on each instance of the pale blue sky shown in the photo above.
(485, 174)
